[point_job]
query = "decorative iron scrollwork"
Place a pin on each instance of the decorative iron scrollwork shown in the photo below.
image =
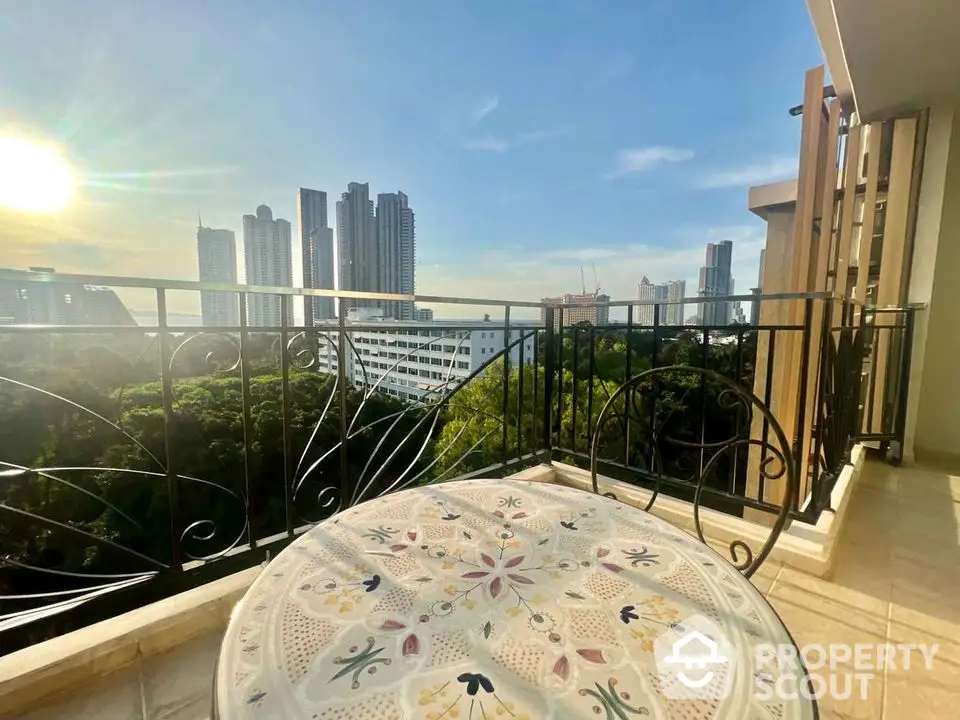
(210, 517)
(661, 404)
(839, 419)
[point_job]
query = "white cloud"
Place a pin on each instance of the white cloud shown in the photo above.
(777, 168)
(483, 108)
(520, 274)
(501, 144)
(636, 160)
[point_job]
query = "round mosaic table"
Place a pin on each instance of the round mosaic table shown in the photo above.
(508, 600)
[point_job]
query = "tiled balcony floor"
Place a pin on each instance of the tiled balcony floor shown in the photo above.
(896, 579)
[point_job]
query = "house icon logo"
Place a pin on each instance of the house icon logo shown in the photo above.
(695, 651)
(694, 661)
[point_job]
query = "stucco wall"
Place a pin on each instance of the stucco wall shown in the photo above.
(933, 430)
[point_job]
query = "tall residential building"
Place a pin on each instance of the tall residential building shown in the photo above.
(357, 243)
(396, 251)
(676, 292)
(316, 247)
(737, 314)
(715, 281)
(268, 258)
(671, 311)
(646, 290)
(217, 259)
(596, 313)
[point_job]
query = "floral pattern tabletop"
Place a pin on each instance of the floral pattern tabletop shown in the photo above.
(494, 599)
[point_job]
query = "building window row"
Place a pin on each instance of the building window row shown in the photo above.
(367, 340)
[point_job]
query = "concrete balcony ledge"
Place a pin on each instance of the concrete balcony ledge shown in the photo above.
(810, 548)
(31, 677)
(157, 662)
(47, 679)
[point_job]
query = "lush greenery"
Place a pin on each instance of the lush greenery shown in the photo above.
(682, 402)
(114, 457)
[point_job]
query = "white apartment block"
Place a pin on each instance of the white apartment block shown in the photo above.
(422, 361)
(217, 259)
(268, 261)
(671, 292)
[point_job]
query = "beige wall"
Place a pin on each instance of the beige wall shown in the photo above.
(933, 419)
(772, 312)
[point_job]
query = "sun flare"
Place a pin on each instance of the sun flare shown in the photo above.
(33, 177)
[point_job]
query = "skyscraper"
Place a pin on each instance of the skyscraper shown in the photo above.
(217, 258)
(646, 290)
(268, 258)
(396, 244)
(715, 281)
(671, 312)
(357, 243)
(316, 247)
(676, 292)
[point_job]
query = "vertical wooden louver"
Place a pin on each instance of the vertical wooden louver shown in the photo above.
(855, 187)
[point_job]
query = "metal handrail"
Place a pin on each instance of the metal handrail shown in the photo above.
(195, 285)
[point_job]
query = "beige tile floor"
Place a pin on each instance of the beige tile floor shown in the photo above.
(896, 579)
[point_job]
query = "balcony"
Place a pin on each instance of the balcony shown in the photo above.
(149, 472)
(897, 585)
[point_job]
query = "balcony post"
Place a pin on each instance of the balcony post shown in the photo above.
(169, 427)
(900, 428)
(342, 380)
(800, 436)
(253, 518)
(285, 400)
(549, 369)
(505, 408)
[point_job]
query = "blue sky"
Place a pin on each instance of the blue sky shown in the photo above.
(531, 135)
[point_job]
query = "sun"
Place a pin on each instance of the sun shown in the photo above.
(33, 177)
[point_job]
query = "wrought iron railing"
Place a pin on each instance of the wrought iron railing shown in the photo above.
(163, 455)
(863, 386)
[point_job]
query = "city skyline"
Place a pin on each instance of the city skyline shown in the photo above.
(489, 150)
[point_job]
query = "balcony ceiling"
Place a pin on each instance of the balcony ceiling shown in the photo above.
(890, 56)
